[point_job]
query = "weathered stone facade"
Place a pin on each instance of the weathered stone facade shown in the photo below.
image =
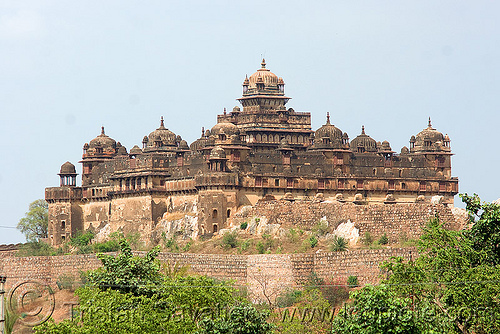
(262, 150)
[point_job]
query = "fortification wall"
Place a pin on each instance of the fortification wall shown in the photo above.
(265, 275)
(377, 219)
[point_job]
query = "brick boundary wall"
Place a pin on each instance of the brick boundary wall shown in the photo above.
(262, 273)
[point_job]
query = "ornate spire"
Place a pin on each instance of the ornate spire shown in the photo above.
(162, 125)
(224, 111)
(263, 64)
(327, 117)
(363, 130)
(102, 130)
(430, 124)
(202, 132)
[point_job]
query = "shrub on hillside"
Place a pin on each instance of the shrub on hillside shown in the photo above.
(383, 239)
(352, 281)
(230, 240)
(367, 239)
(313, 241)
(338, 244)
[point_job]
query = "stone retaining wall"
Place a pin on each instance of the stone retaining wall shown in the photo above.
(264, 275)
(396, 220)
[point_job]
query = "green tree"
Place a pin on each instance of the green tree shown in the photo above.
(35, 223)
(450, 279)
(485, 232)
(128, 273)
(376, 310)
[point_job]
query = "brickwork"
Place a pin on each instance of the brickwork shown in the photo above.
(377, 219)
(263, 275)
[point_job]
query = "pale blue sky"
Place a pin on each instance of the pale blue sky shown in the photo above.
(69, 67)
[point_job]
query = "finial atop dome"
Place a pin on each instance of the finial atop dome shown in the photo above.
(224, 111)
(102, 130)
(202, 131)
(363, 130)
(327, 117)
(263, 64)
(162, 125)
(430, 124)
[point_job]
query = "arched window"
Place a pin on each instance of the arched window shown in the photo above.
(214, 214)
(63, 225)
(215, 228)
(228, 213)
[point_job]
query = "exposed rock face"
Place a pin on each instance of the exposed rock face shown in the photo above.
(347, 231)
(178, 224)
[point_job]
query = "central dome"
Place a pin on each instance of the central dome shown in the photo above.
(163, 135)
(263, 75)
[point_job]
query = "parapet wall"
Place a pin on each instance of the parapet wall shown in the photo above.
(263, 273)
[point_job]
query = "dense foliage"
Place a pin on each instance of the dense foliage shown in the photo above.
(451, 286)
(130, 294)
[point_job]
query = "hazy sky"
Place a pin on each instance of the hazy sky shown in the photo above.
(69, 67)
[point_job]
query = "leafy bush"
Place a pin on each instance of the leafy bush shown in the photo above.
(367, 239)
(288, 297)
(170, 244)
(260, 247)
(230, 240)
(40, 248)
(266, 245)
(293, 235)
(81, 239)
(333, 291)
(244, 225)
(313, 241)
(320, 228)
(107, 246)
(383, 239)
(338, 244)
(66, 282)
(188, 245)
(352, 281)
(244, 245)
(241, 319)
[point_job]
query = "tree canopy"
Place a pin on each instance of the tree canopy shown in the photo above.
(451, 286)
(34, 224)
